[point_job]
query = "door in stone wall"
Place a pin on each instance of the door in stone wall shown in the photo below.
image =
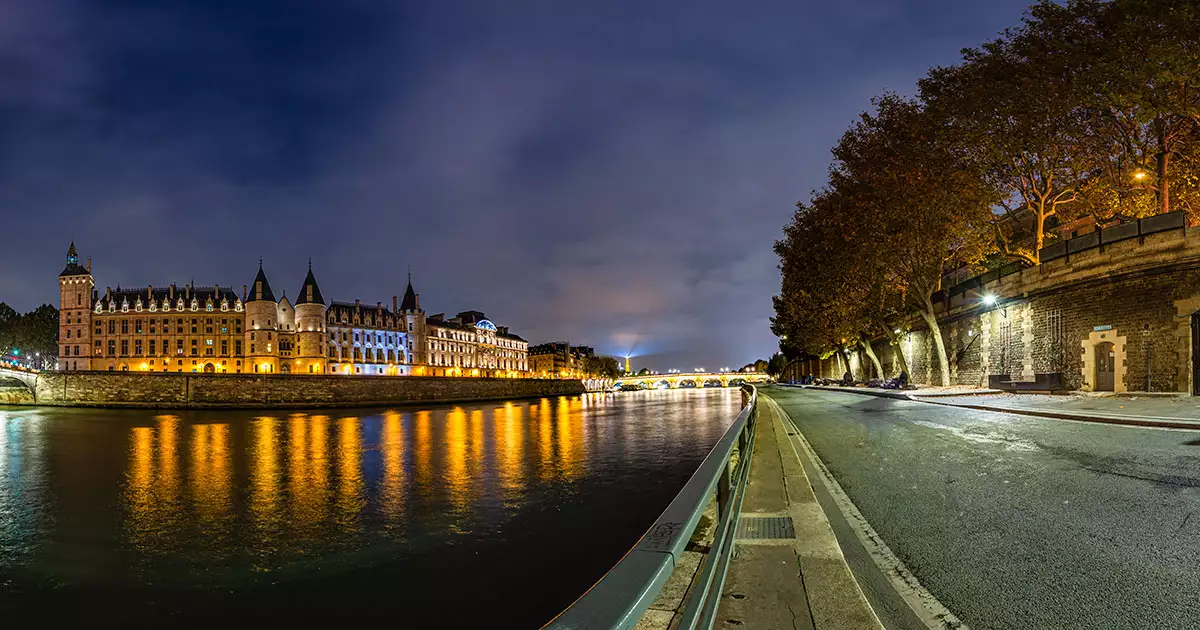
(1196, 354)
(1106, 370)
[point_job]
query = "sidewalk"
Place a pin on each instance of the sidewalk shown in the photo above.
(1129, 408)
(781, 576)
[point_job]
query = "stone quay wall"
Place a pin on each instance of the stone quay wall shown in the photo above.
(1138, 294)
(167, 390)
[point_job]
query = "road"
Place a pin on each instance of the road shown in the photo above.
(1021, 522)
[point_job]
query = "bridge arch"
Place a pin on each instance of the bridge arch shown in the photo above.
(11, 378)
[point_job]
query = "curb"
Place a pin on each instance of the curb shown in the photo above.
(1040, 413)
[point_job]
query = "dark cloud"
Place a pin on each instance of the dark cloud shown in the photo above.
(611, 173)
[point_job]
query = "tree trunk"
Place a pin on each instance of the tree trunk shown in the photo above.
(866, 346)
(1040, 232)
(899, 353)
(1164, 194)
(935, 331)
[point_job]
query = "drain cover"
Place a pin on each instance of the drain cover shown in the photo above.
(765, 527)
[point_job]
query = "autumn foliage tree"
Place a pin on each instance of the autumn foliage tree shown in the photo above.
(1090, 108)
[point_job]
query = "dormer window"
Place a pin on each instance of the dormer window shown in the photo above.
(99, 306)
(153, 306)
(224, 306)
(237, 306)
(195, 304)
(124, 306)
(179, 305)
(138, 305)
(208, 306)
(166, 305)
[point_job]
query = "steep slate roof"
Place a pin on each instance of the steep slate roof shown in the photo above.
(310, 293)
(410, 298)
(158, 294)
(73, 267)
(377, 316)
(266, 293)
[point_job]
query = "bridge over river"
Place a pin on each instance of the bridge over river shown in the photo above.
(691, 379)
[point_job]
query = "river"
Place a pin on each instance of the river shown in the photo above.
(483, 515)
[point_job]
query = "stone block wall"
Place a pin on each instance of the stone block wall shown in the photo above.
(1147, 318)
(167, 390)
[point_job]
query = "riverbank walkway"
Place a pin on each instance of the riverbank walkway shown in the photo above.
(1131, 408)
(787, 570)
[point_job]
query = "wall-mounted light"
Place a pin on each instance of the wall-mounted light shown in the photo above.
(989, 300)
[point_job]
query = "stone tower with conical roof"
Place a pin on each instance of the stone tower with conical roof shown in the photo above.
(75, 285)
(414, 319)
(262, 327)
(310, 327)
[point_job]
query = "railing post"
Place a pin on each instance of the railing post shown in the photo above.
(723, 491)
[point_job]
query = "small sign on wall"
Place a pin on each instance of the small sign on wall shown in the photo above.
(1101, 328)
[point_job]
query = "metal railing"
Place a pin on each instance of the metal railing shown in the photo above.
(622, 596)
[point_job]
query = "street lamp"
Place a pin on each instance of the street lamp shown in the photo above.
(1140, 175)
(989, 300)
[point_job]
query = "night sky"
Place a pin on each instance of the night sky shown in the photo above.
(608, 172)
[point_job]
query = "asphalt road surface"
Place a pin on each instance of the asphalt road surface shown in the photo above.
(1021, 522)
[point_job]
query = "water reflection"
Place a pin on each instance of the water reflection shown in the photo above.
(230, 497)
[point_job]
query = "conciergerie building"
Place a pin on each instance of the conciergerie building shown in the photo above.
(216, 330)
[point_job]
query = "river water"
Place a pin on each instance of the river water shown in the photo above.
(484, 515)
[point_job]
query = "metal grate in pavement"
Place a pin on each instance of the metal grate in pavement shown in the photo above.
(766, 527)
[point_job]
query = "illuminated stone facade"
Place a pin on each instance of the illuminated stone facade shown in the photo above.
(559, 358)
(471, 345)
(214, 330)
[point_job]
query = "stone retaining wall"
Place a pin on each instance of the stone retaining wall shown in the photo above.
(1138, 295)
(167, 390)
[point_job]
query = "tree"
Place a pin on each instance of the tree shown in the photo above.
(927, 212)
(1141, 83)
(601, 367)
(777, 364)
(1009, 115)
(35, 332)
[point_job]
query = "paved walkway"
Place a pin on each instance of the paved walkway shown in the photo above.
(1130, 408)
(799, 582)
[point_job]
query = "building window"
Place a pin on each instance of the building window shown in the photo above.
(137, 325)
(124, 347)
(151, 347)
(124, 326)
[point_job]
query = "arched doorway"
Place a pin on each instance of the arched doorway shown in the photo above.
(209, 368)
(1196, 354)
(1106, 370)
(284, 368)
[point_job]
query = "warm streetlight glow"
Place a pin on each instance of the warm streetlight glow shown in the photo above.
(989, 300)
(1140, 175)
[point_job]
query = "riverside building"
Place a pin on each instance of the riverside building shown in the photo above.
(217, 330)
